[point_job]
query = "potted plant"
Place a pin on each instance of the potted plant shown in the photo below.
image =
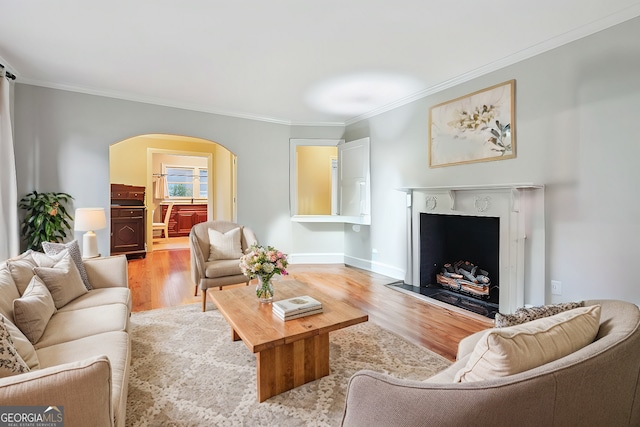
(46, 219)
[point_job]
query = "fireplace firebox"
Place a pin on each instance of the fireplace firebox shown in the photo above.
(456, 249)
(459, 261)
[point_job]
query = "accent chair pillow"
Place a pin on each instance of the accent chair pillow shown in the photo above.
(225, 245)
(514, 349)
(10, 361)
(524, 314)
(33, 310)
(51, 248)
(63, 281)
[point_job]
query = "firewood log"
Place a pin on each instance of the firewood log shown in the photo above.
(451, 275)
(468, 275)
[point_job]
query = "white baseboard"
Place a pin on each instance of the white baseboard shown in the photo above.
(376, 267)
(337, 258)
(316, 258)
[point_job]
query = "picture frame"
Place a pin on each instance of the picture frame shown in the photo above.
(478, 127)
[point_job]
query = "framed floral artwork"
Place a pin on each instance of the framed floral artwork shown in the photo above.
(478, 127)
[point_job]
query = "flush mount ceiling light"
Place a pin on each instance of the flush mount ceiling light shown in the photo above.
(361, 93)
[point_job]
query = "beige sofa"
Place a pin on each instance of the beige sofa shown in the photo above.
(81, 361)
(598, 385)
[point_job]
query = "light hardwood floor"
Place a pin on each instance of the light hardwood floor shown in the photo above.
(162, 279)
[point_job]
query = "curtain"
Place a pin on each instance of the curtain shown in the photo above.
(9, 237)
(160, 187)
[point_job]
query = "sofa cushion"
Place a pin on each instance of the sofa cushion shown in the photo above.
(52, 248)
(527, 314)
(225, 245)
(63, 280)
(33, 310)
(222, 268)
(510, 350)
(447, 376)
(114, 345)
(8, 292)
(71, 325)
(10, 361)
(102, 296)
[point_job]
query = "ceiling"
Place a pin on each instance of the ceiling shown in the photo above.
(285, 61)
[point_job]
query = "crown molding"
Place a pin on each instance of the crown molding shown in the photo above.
(7, 66)
(172, 104)
(568, 37)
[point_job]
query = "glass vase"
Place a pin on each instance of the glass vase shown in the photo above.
(264, 290)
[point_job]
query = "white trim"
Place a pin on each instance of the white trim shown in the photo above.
(568, 37)
(547, 45)
(339, 258)
(316, 258)
(172, 103)
(375, 267)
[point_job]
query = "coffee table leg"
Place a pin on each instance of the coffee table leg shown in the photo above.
(282, 368)
(234, 335)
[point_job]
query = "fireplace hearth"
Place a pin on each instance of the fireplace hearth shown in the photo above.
(474, 305)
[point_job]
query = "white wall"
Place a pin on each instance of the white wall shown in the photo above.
(62, 144)
(577, 133)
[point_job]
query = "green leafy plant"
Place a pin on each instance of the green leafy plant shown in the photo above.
(46, 219)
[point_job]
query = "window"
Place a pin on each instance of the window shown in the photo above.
(188, 182)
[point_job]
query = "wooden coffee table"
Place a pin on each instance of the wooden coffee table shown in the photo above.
(291, 353)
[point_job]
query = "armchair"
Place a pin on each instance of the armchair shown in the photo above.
(209, 271)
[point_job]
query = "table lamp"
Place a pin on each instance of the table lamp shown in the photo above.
(90, 219)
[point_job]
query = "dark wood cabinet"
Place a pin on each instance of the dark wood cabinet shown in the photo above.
(127, 195)
(128, 220)
(184, 217)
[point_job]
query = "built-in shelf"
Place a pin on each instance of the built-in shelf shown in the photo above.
(516, 186)
(361, 220)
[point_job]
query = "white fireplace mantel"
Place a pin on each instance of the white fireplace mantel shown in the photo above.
(453, 190)
(520, 207)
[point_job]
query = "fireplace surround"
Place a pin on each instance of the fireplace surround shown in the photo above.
(514, 211)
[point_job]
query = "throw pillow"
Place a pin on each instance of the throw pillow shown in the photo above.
(8, 292)
(21, 267)
(26, 350)
(51, 248)
(33, 310)
(225, 245)
(507, 351)
(63, 281)
(525, 314)
(10, 361)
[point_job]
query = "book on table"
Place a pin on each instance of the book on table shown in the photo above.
(299, 314)
(296, 305)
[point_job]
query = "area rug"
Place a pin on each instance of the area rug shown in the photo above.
(186, 371)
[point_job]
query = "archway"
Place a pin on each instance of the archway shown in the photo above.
(138, 160)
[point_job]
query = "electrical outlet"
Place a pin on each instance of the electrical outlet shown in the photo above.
(556, 287)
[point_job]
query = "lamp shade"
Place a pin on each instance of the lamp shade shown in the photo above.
(89, 219)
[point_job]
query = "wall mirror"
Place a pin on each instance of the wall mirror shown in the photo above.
(330, 181)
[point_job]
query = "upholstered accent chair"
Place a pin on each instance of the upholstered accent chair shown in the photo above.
(216, 248)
